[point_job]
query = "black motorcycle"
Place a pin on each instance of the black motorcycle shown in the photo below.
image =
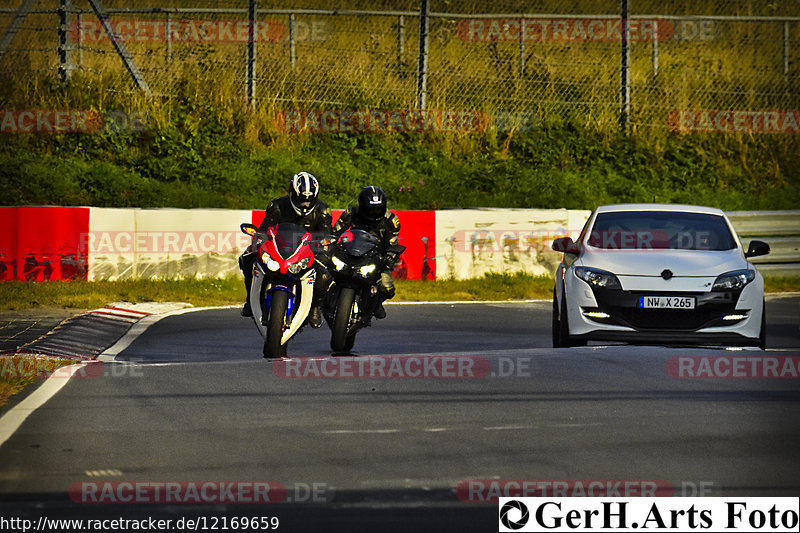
(355, 264)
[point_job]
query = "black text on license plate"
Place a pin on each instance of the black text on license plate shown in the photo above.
(666, 302)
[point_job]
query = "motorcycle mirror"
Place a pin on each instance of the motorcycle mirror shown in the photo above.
(249, 229)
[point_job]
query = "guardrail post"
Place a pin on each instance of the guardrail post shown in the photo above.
(65, 65)
(625, 69)
(422, 65)
(251, 53)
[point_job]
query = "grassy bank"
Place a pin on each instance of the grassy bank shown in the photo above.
(554, 167)
(230, 291)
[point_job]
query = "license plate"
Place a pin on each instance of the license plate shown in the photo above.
(666, 302)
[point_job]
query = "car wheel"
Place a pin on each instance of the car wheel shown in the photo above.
(565, 340)
(556, 326)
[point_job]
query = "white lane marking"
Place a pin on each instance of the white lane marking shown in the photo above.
(506, 428)
(14, 418)
(360, 431)
(103, 473)
(110, 354)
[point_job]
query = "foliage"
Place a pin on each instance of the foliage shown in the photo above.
(198, 158)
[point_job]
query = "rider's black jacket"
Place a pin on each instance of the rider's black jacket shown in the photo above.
(318, 221)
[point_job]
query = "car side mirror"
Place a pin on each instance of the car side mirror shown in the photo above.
(757, 248)
(565, 245)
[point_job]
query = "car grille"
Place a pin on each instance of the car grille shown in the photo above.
(668, 319)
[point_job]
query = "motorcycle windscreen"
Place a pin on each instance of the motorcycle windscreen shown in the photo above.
(362, 243)
(288, 238)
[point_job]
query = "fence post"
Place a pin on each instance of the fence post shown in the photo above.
(292, 44)
(65, 65)
(625, 66)
(655, 48)
(522, 47)
(251, 53)
(785, 48)
(13, 28)
(401, 42)
(119, 46)
(79, 18)
(168, 35)
(422, 66)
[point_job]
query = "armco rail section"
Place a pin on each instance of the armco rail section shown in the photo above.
(781, 229)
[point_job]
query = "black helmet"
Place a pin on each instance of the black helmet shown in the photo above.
(303, 192)
(372, 202)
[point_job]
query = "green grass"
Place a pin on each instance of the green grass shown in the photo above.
(17, 372)
(81, 295)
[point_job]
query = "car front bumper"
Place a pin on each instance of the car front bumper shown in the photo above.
(727, 317)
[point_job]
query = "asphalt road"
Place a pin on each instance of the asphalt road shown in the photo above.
(192, 400)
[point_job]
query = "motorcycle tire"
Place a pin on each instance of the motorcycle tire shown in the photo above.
(279, 303)
(340, 340)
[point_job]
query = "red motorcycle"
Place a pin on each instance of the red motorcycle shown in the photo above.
(283, 283)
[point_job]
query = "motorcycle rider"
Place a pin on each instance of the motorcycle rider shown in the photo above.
(303, 207)
(371, 215)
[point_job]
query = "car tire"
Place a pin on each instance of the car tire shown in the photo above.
(561, 336)
(556, 326)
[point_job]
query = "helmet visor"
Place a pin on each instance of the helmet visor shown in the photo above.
(374, 211)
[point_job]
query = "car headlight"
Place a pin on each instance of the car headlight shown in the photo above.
(733, 281)
(338, 263)
(366, 270)
(270, 262)
(598, 278)
(301, 265)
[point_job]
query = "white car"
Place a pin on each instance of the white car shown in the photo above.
(658, 274)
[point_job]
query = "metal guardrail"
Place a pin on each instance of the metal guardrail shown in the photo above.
(780, 229)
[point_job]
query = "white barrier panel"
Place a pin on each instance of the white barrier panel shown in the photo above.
(472, 242)
(165, 243)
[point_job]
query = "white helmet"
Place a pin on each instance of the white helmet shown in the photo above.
(303, 192)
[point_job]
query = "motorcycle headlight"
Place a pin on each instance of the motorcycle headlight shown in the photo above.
(733, 281)
(270, 262)
(301, 265)
(598, 278)
(366, 270)
(338, 263)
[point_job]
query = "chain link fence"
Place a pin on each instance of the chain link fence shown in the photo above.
(699, 65)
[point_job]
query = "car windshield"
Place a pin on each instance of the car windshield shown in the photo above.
(660, 230)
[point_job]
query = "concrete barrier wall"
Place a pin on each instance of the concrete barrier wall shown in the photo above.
(64, 243)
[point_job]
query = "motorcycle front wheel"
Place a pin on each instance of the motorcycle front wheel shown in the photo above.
(340, 340)
(279, 304)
